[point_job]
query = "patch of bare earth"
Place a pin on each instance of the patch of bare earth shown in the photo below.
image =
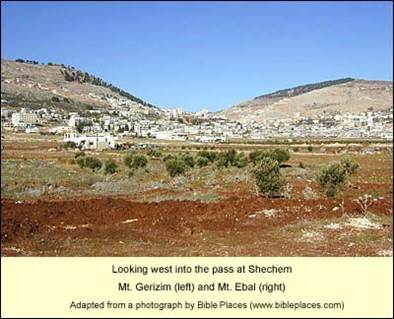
(234, 226)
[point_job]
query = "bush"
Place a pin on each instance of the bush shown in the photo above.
(226, 159)
(253, 156)
(332, 179)
(175, 167)
(139, 161)
(69, 144)
(110, 167)
(128, 159)
(169, 157)
(241, 160)
(188, 159)
(92, 162)
(80, 161)
(280, 155)
(154, 153)
(310, 148)
(350, 165)
(269, 180)
(79, 154)
(211, 156)
(202, 161)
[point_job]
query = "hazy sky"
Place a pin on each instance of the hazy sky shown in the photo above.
(204, 54)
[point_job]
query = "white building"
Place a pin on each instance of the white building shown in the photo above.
(75, 120)
(60, 130)
(24, 118)
(92, 142)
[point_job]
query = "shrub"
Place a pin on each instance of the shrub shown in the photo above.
(128, 159)
(332, 179)
(310, 148)
(253, 156)
(269, 180)
(350, 165)
(211, 156)
(69, 144)
(226, 159)
(92, 162)
(175, 167)
(221, 161)
(110, 167)
(139, 161)
(154, 153)
(80, 161)
(202, 161)
(169, 157)
(280, 155)
(79, 154)
(188, 159)
(241, 160)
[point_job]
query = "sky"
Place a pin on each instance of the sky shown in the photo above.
(204, 54)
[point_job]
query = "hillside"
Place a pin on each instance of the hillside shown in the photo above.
(342, 95)
(64, 88)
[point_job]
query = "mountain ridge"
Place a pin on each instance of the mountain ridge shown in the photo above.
(310, 100)
(29, 83)
(62, 87)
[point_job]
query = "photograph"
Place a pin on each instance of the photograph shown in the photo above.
(196, 129)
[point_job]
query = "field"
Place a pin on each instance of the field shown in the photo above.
(52, 207)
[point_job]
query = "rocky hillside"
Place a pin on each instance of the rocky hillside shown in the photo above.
(342, 95)
(35, 85)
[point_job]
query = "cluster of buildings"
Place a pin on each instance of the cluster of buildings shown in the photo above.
(101, 129)
(371, 124)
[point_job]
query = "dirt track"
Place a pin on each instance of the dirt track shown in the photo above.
(247, 226)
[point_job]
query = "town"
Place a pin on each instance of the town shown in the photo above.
(101, 129)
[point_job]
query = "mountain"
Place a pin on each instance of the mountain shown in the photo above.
(28, 83)
(336, 96)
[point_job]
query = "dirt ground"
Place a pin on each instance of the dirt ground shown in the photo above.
(246, 226)
(208, 212)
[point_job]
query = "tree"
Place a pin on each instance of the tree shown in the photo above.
(211, 156)
(188, 159)
(202, 161)
(227, 158)
(80, 161)
(139, 161)
(269, 180)
(350, 165)
(128, 160)
(69, 144)
(176, 167)
(93, 163)
(280, 155)
(110, 167)
(332, 179)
